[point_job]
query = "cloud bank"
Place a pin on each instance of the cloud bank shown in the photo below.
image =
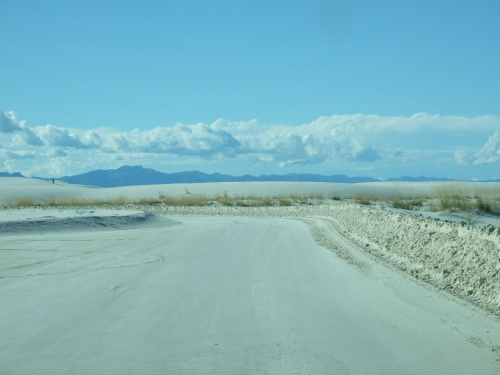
(338, 141)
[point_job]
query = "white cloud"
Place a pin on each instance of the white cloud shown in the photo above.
(464, 157)
(54, 136)
(191, 140)
(421, 121)
(17, 155)
(490, 152)
(307, 146)
(23, 133)
(360, 140)
(8, 122)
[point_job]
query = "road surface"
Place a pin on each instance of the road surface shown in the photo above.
(225, 296)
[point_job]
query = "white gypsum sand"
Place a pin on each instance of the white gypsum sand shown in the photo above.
(233, 289)
(463, 260)
(458, 258)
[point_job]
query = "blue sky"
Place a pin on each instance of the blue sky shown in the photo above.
(376, 88)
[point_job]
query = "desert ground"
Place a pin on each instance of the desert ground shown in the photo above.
(286, 278)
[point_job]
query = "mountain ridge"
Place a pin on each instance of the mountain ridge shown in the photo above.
(138, 175)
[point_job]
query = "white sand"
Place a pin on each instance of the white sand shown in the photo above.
(242, 290)
(15, 187)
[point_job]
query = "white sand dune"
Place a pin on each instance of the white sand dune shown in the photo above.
(16, 187)
(340, 288)
(36, 220)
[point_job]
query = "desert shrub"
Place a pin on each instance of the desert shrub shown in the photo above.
(25, 202)
(168, 200)
(364, 199)
(224, 199)
(402, 204)
(193, 200)
(407, 203)
(20, 202)
(483, 205)
(488, 198)
(242, 202)
(318, 196)
(185, 200)
(148, 201)
(284, 200)
(452, 197)
(266, 201)
(298, 198)
(67, 201)
(118, 201)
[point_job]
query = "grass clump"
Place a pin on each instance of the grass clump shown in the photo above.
(407, 203)
(185, 200)
(224, 199)
(452, 197)
(488, 199)
(284, 201)
(483, 205)
(363, 199)
(266, 201)
(299, 198)
(20, 202)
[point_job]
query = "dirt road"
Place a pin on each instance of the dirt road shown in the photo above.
(225, 296)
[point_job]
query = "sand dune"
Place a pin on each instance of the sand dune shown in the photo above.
(15, 187)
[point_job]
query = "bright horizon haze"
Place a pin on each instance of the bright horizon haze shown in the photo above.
(363, 88)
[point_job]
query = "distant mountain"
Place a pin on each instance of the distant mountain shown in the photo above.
(5, 174)
(137, 175)
(492, 180)
(419, 179)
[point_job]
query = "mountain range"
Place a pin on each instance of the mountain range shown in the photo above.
(137, 175)
(5, 174)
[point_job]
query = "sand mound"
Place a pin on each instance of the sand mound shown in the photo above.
(51, 220)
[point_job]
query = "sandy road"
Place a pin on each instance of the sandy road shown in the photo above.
(224, 296)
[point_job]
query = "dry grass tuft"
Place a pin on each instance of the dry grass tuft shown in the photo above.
(452, 197)
(224, 199)
(365, 199)
(407, 202)
(20, 202)
(184, 200)
(446, 197)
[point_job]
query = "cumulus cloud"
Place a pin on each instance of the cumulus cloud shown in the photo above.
(357, 139)
(417, 122)
(56, 153)
(464, 157)
(8, 122)
(23, 133)
(17, 155)
(54, 136)
(307, 146)
(28, 137)
(192, 140)
(489, 153)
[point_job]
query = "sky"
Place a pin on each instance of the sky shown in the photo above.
(379, 88)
